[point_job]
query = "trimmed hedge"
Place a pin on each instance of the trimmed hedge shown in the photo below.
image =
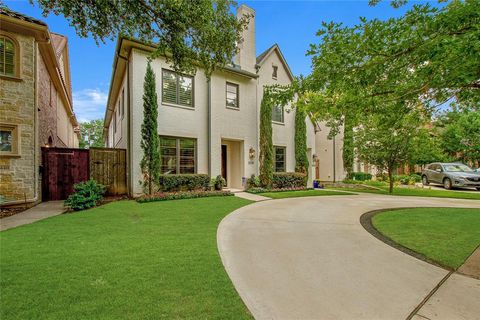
(163, 196)
(282, 180)
(184, 182)
(359, 176)
(263, 190)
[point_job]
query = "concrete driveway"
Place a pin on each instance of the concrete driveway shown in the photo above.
(309, 258)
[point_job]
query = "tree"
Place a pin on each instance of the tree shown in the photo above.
(427, 148)
(204, 32)
(150, 163)
(301, 159)
(384, 139)
(91, 133)
(266, 143)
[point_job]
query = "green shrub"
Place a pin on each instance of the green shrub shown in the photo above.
(416, 177)
(359, 176)
(87, 194)
(253, 182)
(163, 196)
(263, 190)
(283, 180)
(219, 182)
(184, 182)
(407, 179)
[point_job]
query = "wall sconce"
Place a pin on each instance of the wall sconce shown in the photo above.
(251, 154)
(314, 157)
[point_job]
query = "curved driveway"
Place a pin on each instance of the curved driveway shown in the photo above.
(309, 258)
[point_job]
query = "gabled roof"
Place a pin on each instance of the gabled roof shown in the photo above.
(265, 54)
(17, 15)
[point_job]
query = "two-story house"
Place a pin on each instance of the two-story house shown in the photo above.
(204, 126)
(36, 108)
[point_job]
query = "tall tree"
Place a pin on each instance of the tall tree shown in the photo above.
(266, 144)
(204, 32)
(150, 163)
(301, 159)
(91, 133)
(384, 139)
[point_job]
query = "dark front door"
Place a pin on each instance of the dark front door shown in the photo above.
(224, 162)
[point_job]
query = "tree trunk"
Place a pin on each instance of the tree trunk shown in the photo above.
(390, 179)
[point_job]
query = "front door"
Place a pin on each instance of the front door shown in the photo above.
(224, 162)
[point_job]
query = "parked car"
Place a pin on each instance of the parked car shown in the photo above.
(451, 175)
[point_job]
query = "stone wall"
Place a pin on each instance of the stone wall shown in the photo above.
(18, 173)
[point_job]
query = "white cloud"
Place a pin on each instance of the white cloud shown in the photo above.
(89, 104)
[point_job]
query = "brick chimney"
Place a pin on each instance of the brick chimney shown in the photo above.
(246, 57)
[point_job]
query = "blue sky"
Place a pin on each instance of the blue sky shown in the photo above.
(291, 24)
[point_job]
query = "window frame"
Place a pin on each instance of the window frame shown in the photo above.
(237, 86)
(283, 116)
(177, 93)
(13, 128)
(177, 153)
(274, 72)
(16, 59)
(275, 158)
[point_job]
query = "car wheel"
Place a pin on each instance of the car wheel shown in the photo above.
(425, 181)
(447, 183)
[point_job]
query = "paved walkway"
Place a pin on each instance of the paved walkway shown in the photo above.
(39, 212)
(251, 196)
(309, 258)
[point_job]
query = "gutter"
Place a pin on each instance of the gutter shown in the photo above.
(209, 130)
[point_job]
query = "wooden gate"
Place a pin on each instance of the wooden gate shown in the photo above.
(109, 167)
(62, 168)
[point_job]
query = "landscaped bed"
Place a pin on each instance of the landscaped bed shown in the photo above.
(445, 235)
(123, 260)
(302, 193)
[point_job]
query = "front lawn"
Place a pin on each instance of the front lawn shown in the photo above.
(446, 235)
(123, 260)
(417, 192)
(302, 193)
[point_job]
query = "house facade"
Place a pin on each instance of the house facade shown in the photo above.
(209, 127)
(36, 107)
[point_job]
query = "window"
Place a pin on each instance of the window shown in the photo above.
(279, 156)
(177, 88)
(8, 140)
(7, 56)
(277, 114)
(232, 95)
(274, 72)
(177, 155)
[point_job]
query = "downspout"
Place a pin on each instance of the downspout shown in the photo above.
(209, 129)
(35, 127)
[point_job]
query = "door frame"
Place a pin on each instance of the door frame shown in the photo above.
(224, 161)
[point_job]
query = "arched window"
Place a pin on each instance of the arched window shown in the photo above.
(7, 56)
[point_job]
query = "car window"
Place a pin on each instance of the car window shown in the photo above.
(457, 167)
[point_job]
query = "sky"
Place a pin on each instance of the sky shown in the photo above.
(290, 24)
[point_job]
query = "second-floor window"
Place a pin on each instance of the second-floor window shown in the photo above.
(177, 88)
(277, 114)
(232, 95)
(7, 57)
(274, 72)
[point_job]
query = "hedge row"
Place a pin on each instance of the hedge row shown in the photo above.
(282, 180)
(184, 182)
(163, 196)
(359, 176)
(264, 190)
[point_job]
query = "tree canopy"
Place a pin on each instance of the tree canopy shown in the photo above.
(91, 133)
(190, 33)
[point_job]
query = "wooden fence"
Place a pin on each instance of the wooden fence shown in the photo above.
(64, 167)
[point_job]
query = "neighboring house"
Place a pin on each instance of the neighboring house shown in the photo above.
(35, 103)
(208, 127)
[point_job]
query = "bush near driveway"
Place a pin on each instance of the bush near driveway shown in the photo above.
(123, 260)
(184, 182)
(162, 196)
(282, 180)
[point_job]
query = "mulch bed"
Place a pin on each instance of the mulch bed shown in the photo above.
(7, 212)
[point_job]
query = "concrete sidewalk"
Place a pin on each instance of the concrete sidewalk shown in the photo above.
(310, 258)
(39, 212)
(251, 196)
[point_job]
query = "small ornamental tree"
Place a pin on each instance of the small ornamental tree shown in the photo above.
(150, 163)
(301, 159)
(266, 143)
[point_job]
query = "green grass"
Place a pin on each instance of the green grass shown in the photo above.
(302, 193)
(418, 192)
(445, 235)
(123, 260)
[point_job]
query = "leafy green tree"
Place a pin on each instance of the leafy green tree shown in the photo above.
(427, 148)
(150, 163)
(301, 159)
(460, 135)
(385, 139)
(91, 134)
(266, 143)
(204, 32)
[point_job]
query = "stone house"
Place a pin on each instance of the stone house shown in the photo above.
(210, 127)
(36, 108)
